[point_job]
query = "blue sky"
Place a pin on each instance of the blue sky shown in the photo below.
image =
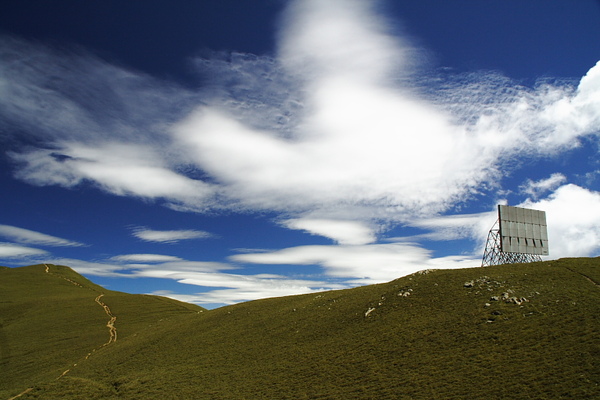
(219, 152)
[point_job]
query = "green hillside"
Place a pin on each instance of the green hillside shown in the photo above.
(528, 331)
(50, 320)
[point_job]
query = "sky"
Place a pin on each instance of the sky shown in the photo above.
(224, 151)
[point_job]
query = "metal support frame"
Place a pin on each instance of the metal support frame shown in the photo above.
(493, 254)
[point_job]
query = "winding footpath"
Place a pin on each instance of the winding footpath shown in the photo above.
(112, 330)
(22, 393)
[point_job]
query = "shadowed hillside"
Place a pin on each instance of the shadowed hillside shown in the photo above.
(527, 331)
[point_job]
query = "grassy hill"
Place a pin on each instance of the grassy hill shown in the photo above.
(528, 331)
(50, 320)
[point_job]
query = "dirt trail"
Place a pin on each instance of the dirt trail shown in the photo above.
(111, 322)
(593, 282)
(22, 393)
(62, 277)
(112, 331)
(110, 325)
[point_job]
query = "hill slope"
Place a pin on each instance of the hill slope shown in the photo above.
(52, 318)
(525, 331)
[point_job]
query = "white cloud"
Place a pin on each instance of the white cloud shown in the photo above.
(235, 287)
(154, 258)
(93, 122)
(246, 287)
(573, 230)
(172, 268)
(368, 145)
(232, 296)
(343, 232)
(68, 95)
(342, 135)
(572, 215)
(340, 38)
(580, 112)
(349, 266)
(536, 188)
(175, 269)
(573, 218)
(21, 235)
(341, 124)
(11, 250)
(119, 168)
(103, 269)
(454, 227)
(173, 236)
(364, 264)
(351, 154)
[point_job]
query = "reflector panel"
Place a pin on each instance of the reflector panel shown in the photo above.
(523, 230)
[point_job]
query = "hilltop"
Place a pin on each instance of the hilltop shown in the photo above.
(521, 331)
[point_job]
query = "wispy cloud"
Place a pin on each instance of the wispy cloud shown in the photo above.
(343, 232)
(123, 169)
(177, 269)
(368, 144)
(358, 264)
(11, 250)
(342, 136)
(150, 235)
(573, 231)
(573, 217)
(93, 268)
(232, 288)
(21, 235)
(93, 122)
(455, 227)
(152, 258)
(341, 124)
(236, 288)
(244, 287)
(537, 188)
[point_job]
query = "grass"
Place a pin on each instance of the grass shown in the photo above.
(445, 339)
(49, 321)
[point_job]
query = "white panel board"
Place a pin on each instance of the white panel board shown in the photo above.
(523, 230)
